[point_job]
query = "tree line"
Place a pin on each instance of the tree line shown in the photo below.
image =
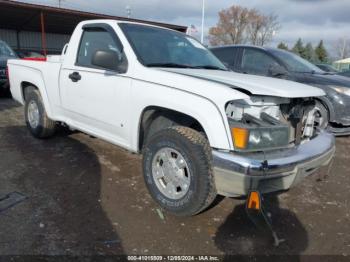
(241, 25)
(319, 54)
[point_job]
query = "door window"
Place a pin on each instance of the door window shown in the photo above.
(93, 40)
(257, 62)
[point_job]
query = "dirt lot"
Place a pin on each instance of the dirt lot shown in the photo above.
(87, 197)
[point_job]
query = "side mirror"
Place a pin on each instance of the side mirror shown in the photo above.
(277, 71)
(108, 59)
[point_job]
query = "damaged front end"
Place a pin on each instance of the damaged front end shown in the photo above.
(276, 144)
(267, 123)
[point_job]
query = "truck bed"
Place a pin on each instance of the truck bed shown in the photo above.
(27, 71)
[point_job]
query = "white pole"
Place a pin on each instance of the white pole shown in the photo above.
(128, 11)
(203, 17)
(60, 3)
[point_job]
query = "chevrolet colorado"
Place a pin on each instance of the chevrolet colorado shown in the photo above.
(202, 130)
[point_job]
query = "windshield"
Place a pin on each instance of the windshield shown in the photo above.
(5, 50)
(158, 47)
(295, 63)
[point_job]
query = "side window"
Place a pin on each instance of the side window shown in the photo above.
(257, 62)
(226, 56)
(91, 41)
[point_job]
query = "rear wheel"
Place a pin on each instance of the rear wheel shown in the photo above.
(35, 115)
(177, 170)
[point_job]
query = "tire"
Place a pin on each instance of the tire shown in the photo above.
(36, 118)
(322, 116)
(198, 191)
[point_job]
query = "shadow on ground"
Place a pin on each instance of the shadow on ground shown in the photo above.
(239, 236)
(7, 103)
(63, 213)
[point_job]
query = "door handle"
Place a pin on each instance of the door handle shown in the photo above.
(75, 77)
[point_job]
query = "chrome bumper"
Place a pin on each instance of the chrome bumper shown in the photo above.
(236, 174)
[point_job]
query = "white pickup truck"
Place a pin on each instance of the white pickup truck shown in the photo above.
(202, 129)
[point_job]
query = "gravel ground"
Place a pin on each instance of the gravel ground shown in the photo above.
(87, 197)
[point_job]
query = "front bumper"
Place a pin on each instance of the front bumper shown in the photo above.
(237, 174)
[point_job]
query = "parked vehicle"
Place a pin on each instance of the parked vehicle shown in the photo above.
(327, 68)
(332, 110)
(30, 54)
(202, 130)
(331, 69)
(5, 53)
(345, 73)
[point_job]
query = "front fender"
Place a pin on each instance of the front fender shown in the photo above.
(211, 116)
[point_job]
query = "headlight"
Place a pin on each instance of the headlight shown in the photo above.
(341, 89)
(259, 136)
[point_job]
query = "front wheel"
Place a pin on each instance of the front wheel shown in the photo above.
(178, 172)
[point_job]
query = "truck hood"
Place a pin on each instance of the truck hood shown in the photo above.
(256, 85)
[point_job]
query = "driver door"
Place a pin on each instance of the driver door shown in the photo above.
(94, 99)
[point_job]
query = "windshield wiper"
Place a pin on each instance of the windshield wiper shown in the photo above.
(209, 67)
(171, 65)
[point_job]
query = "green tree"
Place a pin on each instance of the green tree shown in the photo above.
(321, 53)
(299, 48)
(309, 53)
(282, 46)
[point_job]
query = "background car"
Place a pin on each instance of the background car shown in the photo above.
(345, 73)
(332, 69)
(5, 53)
(29, 54)
(332, 110)
(327, 68)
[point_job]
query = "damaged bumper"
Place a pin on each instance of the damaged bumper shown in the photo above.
(237, 174)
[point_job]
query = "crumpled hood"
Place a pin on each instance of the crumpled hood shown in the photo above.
(256, 85)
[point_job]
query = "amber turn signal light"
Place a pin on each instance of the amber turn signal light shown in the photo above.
(240, 137)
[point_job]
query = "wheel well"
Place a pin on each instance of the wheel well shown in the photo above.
(24, 86)
(154, 119)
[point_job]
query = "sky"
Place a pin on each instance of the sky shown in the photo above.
(311, 20)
